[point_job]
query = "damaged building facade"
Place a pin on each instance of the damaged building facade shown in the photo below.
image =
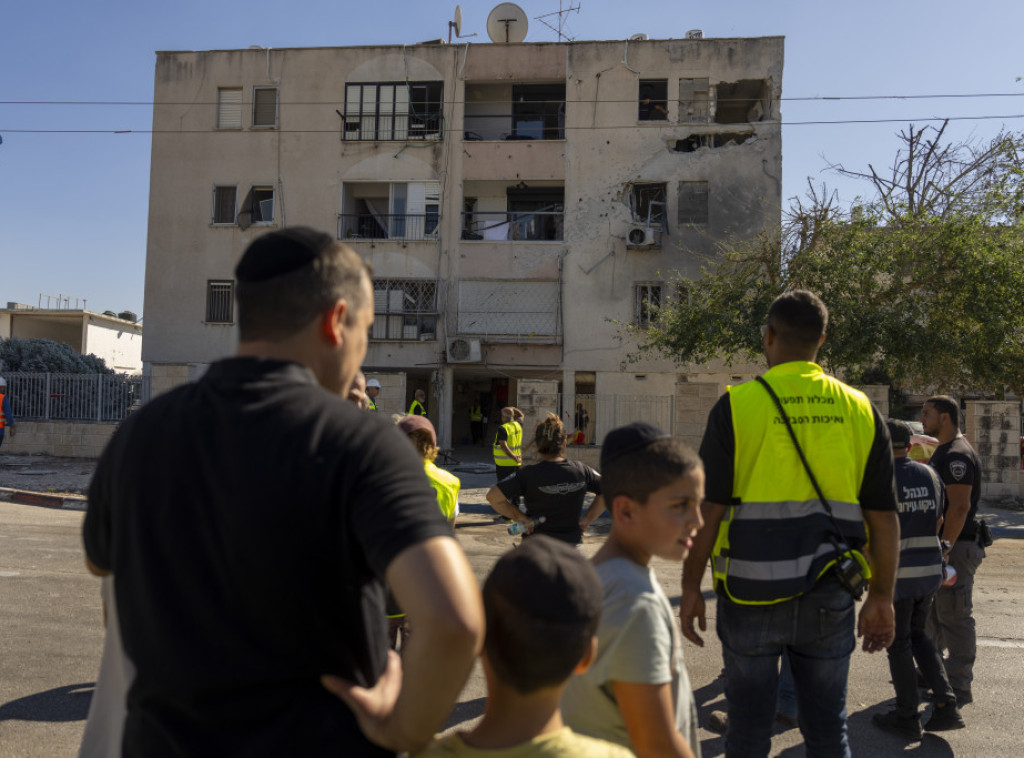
(519, 203)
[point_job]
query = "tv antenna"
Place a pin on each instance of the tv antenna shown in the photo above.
(456, 25)
(561, 13)
(507, 24)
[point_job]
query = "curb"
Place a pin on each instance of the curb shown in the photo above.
(24, 497)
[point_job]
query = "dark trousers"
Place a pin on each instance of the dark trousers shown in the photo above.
(476, 430)
(910, 644)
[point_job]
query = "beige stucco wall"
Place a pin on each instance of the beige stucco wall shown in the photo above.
(994, 429)
(64, 439)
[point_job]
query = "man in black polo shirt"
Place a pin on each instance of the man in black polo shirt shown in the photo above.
(953, 615)
(251, 519)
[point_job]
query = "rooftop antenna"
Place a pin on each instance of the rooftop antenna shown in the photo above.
(507, 24)
(561, 13)
(456, 25)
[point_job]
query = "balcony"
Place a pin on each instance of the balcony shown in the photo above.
(506, 226)
(388, 226)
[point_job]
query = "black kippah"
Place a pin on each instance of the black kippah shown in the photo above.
(281, 252)
(626, 439)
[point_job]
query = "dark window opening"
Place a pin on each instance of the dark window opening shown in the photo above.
(220, 305)
(257, 207)
(647, 203)
(693, 202)
(696, 141)
(538, 111)
(264, 106)
(742, 102)
(224, 204)
(535, 213)
(653, 100)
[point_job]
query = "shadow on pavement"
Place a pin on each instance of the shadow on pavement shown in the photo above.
(68, 703)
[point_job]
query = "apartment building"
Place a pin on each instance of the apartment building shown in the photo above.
(519, 202)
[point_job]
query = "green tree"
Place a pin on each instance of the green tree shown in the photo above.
(46, 356)
(924, 281)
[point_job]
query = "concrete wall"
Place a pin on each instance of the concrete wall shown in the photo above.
(121, 349)
(64, 439)
(536, 398)
(994, 429)
(878, 394)
(392, 393)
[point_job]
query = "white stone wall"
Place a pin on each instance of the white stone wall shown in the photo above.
(392, 393)
(64, 439)
(994, 429)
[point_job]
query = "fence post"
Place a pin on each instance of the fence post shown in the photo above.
(46, 406)
(672, 415)
(99, 397)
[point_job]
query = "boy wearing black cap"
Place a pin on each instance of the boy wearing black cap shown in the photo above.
(637, 692)
(542, 603)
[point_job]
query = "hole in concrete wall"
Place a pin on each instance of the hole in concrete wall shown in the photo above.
(694, 142)
(741, 102)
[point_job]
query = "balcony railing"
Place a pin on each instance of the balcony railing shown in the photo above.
(503, 127)
(399, 227)
(392, 128)
(512, 226)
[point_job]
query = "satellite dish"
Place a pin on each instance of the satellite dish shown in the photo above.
(457, 21)
(506, 24)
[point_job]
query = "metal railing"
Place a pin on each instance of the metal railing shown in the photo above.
(76, 397)
(507, 128)
(512, 226)
(401, 127)
(602, 413)
(375, 226)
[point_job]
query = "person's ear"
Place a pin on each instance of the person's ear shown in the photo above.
(588, 658)
(821, 339)
(623, 507)
(332, 323)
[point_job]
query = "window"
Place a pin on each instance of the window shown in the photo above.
(409, 211)
(538, 111)
(220, 305)
(647, 301)
(653, 99)
(264, 107)
(224, 204)
(693, 101)
(535, 213)
(742, 102)
(693, 202)
(229, 108)
(647, 203)
(404, 309)
(257, 207)
(393, 111)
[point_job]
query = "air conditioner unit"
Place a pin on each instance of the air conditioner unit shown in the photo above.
(642, 236)
(462, 350)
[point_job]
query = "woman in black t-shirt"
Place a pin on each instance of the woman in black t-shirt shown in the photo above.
(554, 488)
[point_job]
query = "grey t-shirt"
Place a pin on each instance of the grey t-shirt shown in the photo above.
(638, 642)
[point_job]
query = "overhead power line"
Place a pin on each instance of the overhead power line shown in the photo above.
(926, 119)
(808, 98)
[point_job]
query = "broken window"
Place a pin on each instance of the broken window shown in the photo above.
(693, 202)
(257, 207)
(647, 203)
(393, 111)
(535, 213)
(224, 197)
(220, 306)
(696, 141)
(404, 309)
(741, 102)
(653, 100)
(264, 106)
(647, 302)
(229, 108)
(693, 101)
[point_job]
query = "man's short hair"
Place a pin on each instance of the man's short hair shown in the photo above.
(289, 277)
(899, 434)
(638, 459)
(542, 602)
(949, 406)
(799, 318)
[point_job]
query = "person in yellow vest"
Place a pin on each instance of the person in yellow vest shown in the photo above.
(788, 562)
(508, 442)
(417, 407)
(476, 423)
(6, 417)
(372, 391)
(446, 485)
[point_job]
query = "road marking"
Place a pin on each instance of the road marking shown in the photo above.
(997, 642)
(5, 574)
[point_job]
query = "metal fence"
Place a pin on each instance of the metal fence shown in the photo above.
(596, 415)
(76, 397)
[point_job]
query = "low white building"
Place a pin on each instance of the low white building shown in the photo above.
(116, 340)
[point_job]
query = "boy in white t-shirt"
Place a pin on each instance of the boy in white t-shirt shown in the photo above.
(637, 692)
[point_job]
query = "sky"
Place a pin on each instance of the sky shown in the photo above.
(73, 206)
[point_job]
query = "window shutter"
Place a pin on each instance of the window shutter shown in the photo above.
(264, 106)
(229, 108)
(224, 205)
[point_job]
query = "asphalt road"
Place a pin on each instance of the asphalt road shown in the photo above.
(51, 636)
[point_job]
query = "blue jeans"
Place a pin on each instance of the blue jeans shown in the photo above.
(817, 632)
